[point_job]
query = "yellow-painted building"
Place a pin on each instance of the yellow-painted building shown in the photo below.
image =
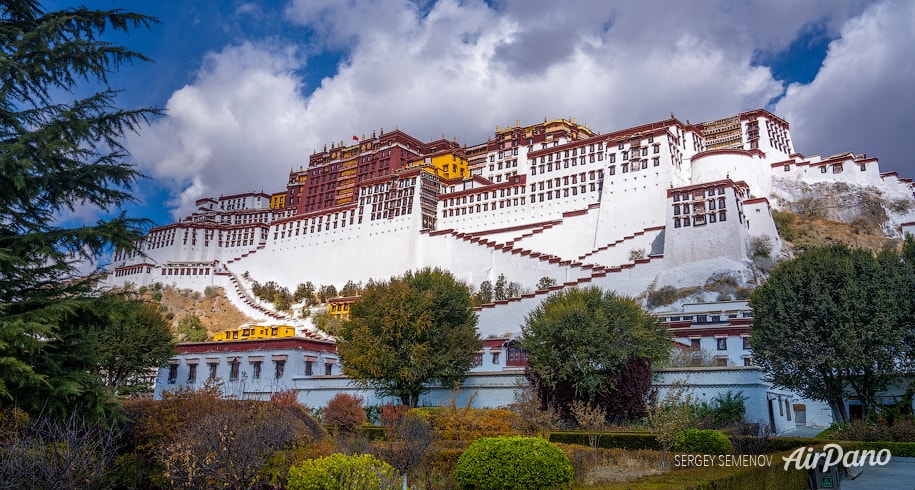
(447, 164)
(278, 200)
(256, 332)
(339, 307)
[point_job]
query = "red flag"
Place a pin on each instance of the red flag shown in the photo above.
(355, 138)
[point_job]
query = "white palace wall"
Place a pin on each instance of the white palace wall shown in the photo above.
(570, 238)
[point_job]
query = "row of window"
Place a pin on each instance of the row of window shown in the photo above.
(508, 164)
(721, 343)
(698, 193)
(709, 318)
(279, 369)
(700, 219)
(571, 152)
(549, 167)
(131, 271)
(635, 153)
(485, 195)
(460, 211)
(478, 361)
(185, 271)
(573, 179)
(573, 190)
(634, 166)
(701, 207)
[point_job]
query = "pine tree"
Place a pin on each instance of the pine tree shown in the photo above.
(59, 151)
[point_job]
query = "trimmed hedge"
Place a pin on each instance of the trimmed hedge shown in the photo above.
(703, 441)
(513, 462)
(897, 449)
(373, 432)
(610, 440)
(778, 444)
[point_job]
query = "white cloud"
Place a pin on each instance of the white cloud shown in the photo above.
(862, 98)
(238, 127)
(461, 68)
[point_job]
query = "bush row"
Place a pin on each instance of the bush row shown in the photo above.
(897, 449)
(621, 440)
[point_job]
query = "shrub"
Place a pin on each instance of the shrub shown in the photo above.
(50, 453)
(192, 328)
(623, 440)
(636, 254)
(184, 439)
(408, 442)
(345, 412)
(533, 419)
(467, 424)
(785, 223)
(760, 246)
(442, 460)
(390, 414)
(591, 419)
(725, 409)
(338, 471)
(513, 462)
(703, 441)
(663, 296)
(861, 430)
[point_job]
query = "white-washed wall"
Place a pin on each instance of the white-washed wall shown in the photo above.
(568, 239)
(707, 383)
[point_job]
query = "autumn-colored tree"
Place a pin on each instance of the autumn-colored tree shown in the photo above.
(345, 412)
(408, 332)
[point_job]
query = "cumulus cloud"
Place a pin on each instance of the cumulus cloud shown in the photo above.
(238, 127)
(861, 100)
(460, 68)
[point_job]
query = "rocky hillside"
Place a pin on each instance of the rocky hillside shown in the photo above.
(215, 311)
(802, 231)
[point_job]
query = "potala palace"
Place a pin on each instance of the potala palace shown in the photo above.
(664, 203)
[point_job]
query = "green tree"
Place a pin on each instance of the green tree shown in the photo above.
(410, 331)
(305, 291)
(192, 329)
(326, 322)
(133, 337)
(58, 151)
(484, 295)
(102, 347)
(281, 301)
(325, 292)
(500, 290)
(545, 282)
(586, 344)
(833, 320)
(351, 288)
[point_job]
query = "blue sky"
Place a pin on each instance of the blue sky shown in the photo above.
(253, 88)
